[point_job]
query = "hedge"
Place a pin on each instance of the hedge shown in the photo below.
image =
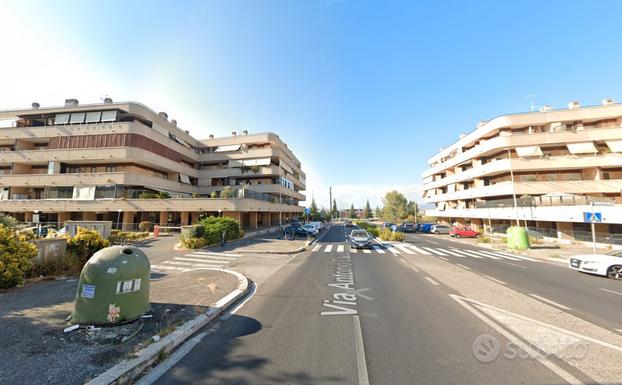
(16, 254)
(209, 231)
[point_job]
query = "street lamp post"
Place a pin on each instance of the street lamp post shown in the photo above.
(219, 213)
(119, 219)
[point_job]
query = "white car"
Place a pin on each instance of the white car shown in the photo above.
(609, 265)
(311, 229)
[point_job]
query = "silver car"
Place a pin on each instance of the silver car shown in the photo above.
(359, 239)
(440, 229)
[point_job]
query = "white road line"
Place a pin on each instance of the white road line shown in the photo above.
(453, 253)
(434, 251)
(366, 251)
(489, 255)
(361, 364)
(192, 264)
(378, 249)
(405, 249)
(444, 259)
(434, 242)
(495, 279)
(513, 264)
(216, 254)
(392, 249)
(316, 248)
(414, 269)
(527, 348)
(340, 248)
(160, 267)
(467, 254)
(328, 248)
(471, 252)
(352, 250)
(611, 291)
(417, 249)
(433, 282)
(211, 257)
(513, 256)
(464, 267)
(516, 256)
(559, 305)
(195, 260)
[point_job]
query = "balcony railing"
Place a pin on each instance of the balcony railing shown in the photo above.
(543, 201)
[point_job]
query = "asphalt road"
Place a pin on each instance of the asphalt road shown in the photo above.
(334, 317)
(593, 298)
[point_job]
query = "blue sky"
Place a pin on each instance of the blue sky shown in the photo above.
(362, 91)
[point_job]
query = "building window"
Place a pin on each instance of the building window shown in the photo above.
(111, 168)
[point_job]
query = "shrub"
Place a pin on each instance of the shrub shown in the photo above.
(8, 221)
(213, 195)
(154, 195)
(388, 235)
(220, 224)
(226, 193)
(16, 255)
(190, 242)
(209, 231)
(398, 237)
(84, 244)
(144, 226)
(120, 237)
(483, 239)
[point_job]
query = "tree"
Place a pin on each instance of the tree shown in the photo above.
(413, 210)
(367, 213)
(334, 212)
(395, 206)
(352, 213)
(378, 212)
(314, 214)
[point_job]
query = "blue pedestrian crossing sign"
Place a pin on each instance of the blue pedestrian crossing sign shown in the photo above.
(307, 210)
(589, 217)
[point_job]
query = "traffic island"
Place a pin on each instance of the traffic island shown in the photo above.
(33, 320)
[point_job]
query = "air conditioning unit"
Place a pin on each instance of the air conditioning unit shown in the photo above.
(71, 102)
(545, 108)
(608, 101)
(574, 104)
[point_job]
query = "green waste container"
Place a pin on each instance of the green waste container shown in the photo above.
(113, 287)
(518, 238)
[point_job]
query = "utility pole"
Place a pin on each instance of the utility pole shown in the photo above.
(330, 200)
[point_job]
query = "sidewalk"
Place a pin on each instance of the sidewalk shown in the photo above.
(37, 351)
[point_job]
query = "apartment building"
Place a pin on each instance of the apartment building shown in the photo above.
(126, 163)
(558, 163)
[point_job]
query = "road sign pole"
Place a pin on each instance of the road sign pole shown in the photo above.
(593, 229)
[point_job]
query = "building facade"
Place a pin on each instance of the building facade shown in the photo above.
(126, 163)
(559, 164)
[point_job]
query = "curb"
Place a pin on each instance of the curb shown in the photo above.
(293, 251)
(127, 370)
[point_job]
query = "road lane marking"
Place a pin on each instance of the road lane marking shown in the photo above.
(405, 249)
(162, 267)
(475, 253)
(513, 256)
(501, 256)
(611, 291)
(444, 259)
(378, 249)
(467, 254)
(515, 265)
(434, 251)
(366, 251)
(361, 364)
(316, 248)
(453, 253)
(192, 264)
(211, 256)
(495, 279)
(392, 249)
(434, 242)
(464, 267)
(196, 260)
(433, 282)
(217, 254)
(340, 249)
(418, 250)
(353, 250)
(559, 305)
(328, 248)
(518, 342)
(415, 269)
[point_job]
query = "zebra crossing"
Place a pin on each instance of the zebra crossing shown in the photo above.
(441, 252)
(199, 259)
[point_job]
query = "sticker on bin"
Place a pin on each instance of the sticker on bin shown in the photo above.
(128, 286)
(88, 291)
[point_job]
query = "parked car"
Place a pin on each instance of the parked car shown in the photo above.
(387, 225)
(299, 231)
(463, 232)
(425, 228)
(359, 239)
(407, 227)
(609, 264)
(349, 223)
(317, 224)
(311, 229)
(440, 229)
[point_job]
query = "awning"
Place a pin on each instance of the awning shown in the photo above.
(582, 148)
(286, 167)
(233, 147)
(77, 117)
(61, 119)
(257, 162)
(184, 178)
(182, 142)
(614, 145)
(11, 122)
(109, 116)
(84, 193)
(93, 117)
(528, 151)
(441, 206)
(4, 194)
(451, 188)
(236, 163)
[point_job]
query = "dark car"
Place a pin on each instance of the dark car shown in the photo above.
(425, 227)
(387, 225)
(291, 230)
(359, 239)
(407, 227)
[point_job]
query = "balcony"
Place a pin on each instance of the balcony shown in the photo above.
(533, 188)
(499, 143)
(273, 189)
(95, 179)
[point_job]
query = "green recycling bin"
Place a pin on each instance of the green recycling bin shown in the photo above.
(113, 287)
(518, 238)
